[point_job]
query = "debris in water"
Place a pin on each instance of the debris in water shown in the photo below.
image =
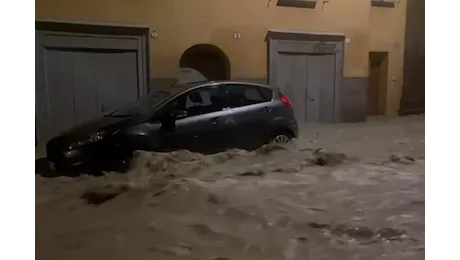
(180, 250)
(228, 155)
(158, 193)
(401, 159)
(303, 239)
(257, 173)
(269, 148)
(315, 209)
(186, 156)
(391, 234)
(402, 141)
(317, 225)
(287, 170)
(357, 232)
(212, 198)
(322, 157)
(364, 235)
(203, 230)
(99, 195)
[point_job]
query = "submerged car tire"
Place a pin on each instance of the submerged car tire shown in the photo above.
(281, 137)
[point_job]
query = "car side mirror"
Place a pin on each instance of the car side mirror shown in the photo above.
(180, 114)
(168, 124)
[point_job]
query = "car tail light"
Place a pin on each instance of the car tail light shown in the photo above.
(285, 101)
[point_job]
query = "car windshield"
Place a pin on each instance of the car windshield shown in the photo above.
(142, 105)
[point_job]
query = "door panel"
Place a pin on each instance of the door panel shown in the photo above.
(203, 133)
(61, 106)
(327, 100)
(206, 126)
(373, 89)
(84, 87)
(74, 73)
(313, 89)
(116, 75)
(376, 91)
(320, 89)
(247, 127)
(292, 80)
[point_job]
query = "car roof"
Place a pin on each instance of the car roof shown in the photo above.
(180, 88)
(211, 82)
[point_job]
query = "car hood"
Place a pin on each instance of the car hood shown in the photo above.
(100, 124)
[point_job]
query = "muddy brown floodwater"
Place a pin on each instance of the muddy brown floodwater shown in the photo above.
(360, 197)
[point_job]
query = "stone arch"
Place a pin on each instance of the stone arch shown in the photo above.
(208, 59)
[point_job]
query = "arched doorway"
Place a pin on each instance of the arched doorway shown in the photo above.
(208, 59)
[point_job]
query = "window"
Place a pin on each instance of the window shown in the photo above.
(200, 101)
(239, 95)
(205, 100)
(297, 3)
(384, 3)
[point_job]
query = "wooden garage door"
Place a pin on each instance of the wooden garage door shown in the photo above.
(85, 84)
(308, 80)
(81, 77)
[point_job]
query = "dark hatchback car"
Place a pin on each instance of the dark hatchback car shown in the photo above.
(205, 117)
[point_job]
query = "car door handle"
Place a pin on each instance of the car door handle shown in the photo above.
(266, 110)
(215, 120)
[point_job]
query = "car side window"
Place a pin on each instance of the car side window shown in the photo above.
(204, 100)
(175, 105)
(239, 95)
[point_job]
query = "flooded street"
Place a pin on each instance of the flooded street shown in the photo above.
(347, 191)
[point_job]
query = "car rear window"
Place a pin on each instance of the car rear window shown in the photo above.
(266, 93)
(239, 95)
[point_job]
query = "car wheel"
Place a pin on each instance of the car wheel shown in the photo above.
(281, 138)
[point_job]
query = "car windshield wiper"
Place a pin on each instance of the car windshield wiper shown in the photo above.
(120, 115)
(129, 114)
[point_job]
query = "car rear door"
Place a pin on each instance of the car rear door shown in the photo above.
(249, 106)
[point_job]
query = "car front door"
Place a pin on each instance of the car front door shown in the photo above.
(160, 132)
(249, 107)
(204, 121)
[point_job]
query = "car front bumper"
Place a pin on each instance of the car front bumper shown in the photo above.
(101, 155)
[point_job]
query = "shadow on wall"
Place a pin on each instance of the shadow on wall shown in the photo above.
(183, 76)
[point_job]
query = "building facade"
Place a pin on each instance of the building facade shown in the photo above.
(413, 96)
(352, 49)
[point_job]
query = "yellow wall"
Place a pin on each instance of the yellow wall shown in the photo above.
(387, 33)
(183, 23)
